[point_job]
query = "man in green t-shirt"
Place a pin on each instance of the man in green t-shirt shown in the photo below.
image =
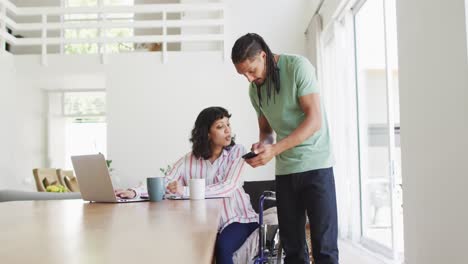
(284, 92)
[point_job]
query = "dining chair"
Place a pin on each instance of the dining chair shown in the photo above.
(68, 179)
(45, 177)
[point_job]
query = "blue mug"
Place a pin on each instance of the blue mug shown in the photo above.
(155, 186)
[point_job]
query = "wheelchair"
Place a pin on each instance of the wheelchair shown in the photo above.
(269, 245)
(263, 197)
(269, 249)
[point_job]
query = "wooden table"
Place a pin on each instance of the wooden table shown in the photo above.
(74, 231)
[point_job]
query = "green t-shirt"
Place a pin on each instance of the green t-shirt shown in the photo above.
(284, 114)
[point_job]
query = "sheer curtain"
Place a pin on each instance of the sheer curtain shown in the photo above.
(332, 49)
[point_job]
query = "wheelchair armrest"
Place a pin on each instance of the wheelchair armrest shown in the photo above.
(266, 196)
(269, 195)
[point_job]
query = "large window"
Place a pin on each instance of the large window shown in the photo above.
(80, 104)
(358, 74)
(76, 125)
(89, 48)
(86, 128)
(378, 123)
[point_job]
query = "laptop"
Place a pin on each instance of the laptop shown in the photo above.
(94, 180)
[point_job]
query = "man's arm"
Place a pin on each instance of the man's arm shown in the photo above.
(310, 105)
(266, 132)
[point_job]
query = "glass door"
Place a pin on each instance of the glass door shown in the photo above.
(377, 87)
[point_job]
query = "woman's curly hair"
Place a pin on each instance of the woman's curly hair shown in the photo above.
(201, 146)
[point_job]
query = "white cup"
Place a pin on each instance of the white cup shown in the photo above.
(197, 189)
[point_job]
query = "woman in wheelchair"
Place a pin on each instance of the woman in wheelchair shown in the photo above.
(216, 158)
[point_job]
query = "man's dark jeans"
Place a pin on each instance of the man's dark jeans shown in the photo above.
(312, 192)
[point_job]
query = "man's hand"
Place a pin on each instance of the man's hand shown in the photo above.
(125, 194)
(266, 152)
(175, 188)
(267, 141)
(255, 147)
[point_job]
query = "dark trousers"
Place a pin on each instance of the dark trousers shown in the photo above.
(231, 239)
(312, 192)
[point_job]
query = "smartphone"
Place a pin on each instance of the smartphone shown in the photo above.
(249, 155)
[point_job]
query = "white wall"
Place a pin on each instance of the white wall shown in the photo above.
(8, 125)
(30, 130)
(37, 130)
(281, 23)
(433, 94)
(22, 135)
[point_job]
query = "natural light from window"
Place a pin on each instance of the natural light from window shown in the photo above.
(92, 48)
(85, 125)
(378, 114)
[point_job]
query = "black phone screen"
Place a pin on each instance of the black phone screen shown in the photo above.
(249, 155)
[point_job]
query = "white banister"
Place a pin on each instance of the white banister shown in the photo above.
(134, 39)
(136, 9)
(44, 40)
(8, 37)
(9, 6)
(123, 24)
(102, 48)
(10, 23)
(105, 21)
(62, 51)
(164, 43)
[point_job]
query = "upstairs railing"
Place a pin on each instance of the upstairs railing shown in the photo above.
(9, 28)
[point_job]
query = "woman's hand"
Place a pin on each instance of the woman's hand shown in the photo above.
(175, 188)
(125, 194)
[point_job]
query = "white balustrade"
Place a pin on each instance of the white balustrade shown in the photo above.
(8, 13)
